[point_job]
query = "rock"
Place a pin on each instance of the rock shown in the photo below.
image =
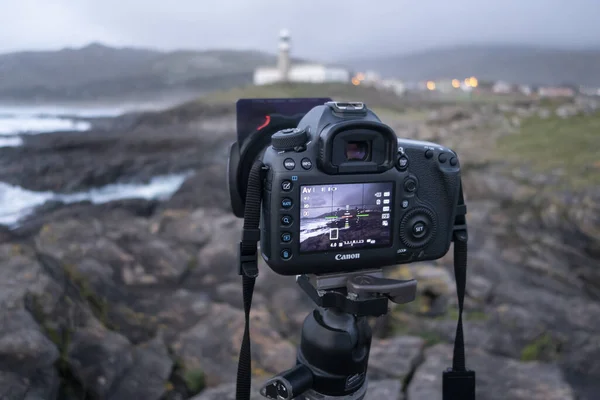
(148, 375)
(216, 354)
(389, 389)
(23, 347)
(206, 188)
(42, 384)
(156, 261)
(99, 358)
(394, 358)
(497, 378)
(21, 275)
(227, 392)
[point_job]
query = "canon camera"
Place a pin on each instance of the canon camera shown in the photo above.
(343, 193)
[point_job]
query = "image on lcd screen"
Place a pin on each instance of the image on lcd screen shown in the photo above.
(346, 216)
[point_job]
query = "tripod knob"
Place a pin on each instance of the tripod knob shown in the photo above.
(397, 291)
(288, 384)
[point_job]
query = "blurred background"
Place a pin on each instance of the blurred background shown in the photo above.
(118, 249)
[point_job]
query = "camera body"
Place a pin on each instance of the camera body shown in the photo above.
(342, 193)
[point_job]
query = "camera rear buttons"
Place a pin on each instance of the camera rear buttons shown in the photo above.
(286, 220)
(443, 157)
(453, 161)
(410, 185)
(306, 163)
(402, 163)
(289, 164)
(286, 237)
(428, 153)
(286, 203)
(286, 186)
(286, 254)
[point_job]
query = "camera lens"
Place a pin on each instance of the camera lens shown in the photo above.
(357, 151)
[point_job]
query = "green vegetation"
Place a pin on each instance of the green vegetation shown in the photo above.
(571, 145)
(544, 345)
(337, 91)
(194, 380)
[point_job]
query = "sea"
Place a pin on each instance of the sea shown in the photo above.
(17, 121)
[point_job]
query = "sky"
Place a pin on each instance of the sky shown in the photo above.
(324, 30)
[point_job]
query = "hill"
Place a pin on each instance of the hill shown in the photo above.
(518, 64)
(98, 71)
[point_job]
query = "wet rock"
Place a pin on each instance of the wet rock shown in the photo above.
(497, 378)
(216, 354)
(394, 358)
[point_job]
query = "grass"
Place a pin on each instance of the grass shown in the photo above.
(540, 348)
(336, 91)
(572, 145)
(194, 380)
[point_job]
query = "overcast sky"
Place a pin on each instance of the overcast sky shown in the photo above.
(320, 29)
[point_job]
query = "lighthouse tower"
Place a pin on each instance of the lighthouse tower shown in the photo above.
(283, 62)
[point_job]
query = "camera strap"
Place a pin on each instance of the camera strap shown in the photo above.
(248, 269)
(458, 382)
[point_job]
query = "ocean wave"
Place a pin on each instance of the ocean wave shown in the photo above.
(17, 203)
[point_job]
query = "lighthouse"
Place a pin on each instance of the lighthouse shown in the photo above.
(307, 72)
(283, 60)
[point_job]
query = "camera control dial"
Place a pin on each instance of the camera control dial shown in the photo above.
(417, 227)
(289, 139)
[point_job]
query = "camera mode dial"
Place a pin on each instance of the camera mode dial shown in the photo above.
(289, 139)
(417, 227)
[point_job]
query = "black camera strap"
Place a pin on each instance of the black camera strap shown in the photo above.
(458, 382)
(248, 269)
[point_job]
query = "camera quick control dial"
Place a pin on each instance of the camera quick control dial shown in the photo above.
(418, 227)
(289, 139)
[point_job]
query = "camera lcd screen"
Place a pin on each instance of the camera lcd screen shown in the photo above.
(345, 216)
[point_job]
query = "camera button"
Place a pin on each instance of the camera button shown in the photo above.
(306, 163)
(453, 161)
(286, 186)
(419, 229)
(286, 220)
(443, 157)
(286, 254)
(286, 203)
(286, 237)
(404, 203)
(428, 154)
(289, 164)
(410, 185)
(402, 163)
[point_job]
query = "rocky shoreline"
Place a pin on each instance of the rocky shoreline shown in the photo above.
(140, 299)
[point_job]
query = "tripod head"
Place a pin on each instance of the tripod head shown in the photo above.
(334, 348)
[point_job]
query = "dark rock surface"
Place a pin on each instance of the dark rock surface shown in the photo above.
(141, 299)
(497, 377)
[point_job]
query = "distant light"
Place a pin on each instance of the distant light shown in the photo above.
(455, 83)
(355, 81)
(473, 82)
(360, 76)
(431, 85)
(468, 81)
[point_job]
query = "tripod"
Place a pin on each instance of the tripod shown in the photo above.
(333, 355)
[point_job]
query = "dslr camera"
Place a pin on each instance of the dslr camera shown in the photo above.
(334, 196)
(343, 192)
